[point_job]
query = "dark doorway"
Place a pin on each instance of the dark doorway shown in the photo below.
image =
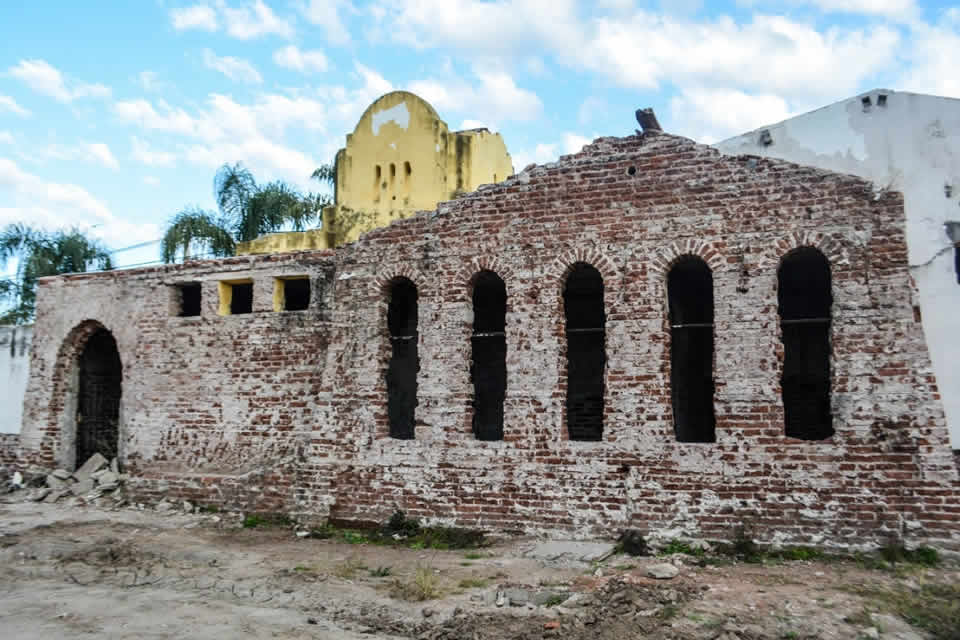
(488, 368)
(98, 403)
(804, 299)
(404, 362)
(586, 355)
(690, 294)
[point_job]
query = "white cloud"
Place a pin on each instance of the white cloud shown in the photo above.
(708, 115)
(46, 79)
(254, 21)
(542, 153)
(150, 81)
(224, 129)
(86, 152)
(9, 104)
(142, 113)
(6, 137)
(472, 124)
(102, 154)
(151, 180)
(641, 49)
(496, 99)
(198, 16)
(326, 14)
(61, 205)
(887, 8)
(292, 57)
(141, 152)
(931, 58)
(573, 143)
(237, 69)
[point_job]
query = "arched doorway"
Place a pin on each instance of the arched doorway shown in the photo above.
(98, 397)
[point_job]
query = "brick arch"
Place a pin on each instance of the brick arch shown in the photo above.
(380, 286)
(668, 256)
(62, 423)
(467, 276)
(566, 261)
(832, 248)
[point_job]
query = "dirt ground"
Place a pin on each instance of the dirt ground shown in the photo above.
(68, 571)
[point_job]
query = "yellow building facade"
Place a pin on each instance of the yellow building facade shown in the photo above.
(401, 158)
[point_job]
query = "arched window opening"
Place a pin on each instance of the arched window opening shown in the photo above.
(98, 401)
(404, 362)
(488, 369)
(804, 300)
(586, 355)
(690, 295)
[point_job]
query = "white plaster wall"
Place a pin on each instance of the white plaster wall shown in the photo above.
(14, 371)
(910, 145)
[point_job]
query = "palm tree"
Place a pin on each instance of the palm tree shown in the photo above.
(246, 211)
(42, 253)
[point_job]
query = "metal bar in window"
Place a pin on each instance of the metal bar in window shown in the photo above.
(402, 337)
(599, 330)
(805, 321)
(488, 334)
(692, 325)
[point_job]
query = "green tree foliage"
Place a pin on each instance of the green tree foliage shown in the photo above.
(42, 253)
(247, 210)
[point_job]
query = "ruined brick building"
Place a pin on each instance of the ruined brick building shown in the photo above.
(646, 334)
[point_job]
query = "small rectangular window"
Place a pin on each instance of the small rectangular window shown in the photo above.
(236, 297)
(190, 298)
(291, 294)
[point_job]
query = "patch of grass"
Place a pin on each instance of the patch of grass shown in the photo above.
(555, 600)
(380, 572)
(402, 531)
(676, 546)
(476, 555)
(302, 569)
(935, 608)
(208, 508)
(799, 553)
(923, 556)
(349, 568)
(474, 583)
(624, 567)
(254, 520)
(669, 612)
(424, 585)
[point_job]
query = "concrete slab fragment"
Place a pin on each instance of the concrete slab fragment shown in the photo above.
(570, 552)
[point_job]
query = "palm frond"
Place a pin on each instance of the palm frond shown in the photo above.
(195, 230)
(233, 186)
(326, 174)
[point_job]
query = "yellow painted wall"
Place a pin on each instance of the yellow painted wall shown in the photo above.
(401, 158)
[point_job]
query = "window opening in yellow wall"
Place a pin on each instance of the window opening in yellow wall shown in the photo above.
(236, 297)
(291, 293)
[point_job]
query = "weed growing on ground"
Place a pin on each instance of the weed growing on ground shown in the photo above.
(424, 585)
(348, 568)
(254, 520)
(473, 583)
(402, 531)
(935, 608)
(380, 572)
(555, 600)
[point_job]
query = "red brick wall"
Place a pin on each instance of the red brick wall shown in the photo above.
(287, 411)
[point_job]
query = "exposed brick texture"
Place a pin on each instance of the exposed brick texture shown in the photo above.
(9, 450)
(288, 411)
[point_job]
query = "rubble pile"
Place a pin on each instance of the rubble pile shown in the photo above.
(97, 482)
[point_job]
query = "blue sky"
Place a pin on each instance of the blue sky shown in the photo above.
(115, 115)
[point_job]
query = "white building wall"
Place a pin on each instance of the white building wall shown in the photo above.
(909, 144)
(14, 370)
